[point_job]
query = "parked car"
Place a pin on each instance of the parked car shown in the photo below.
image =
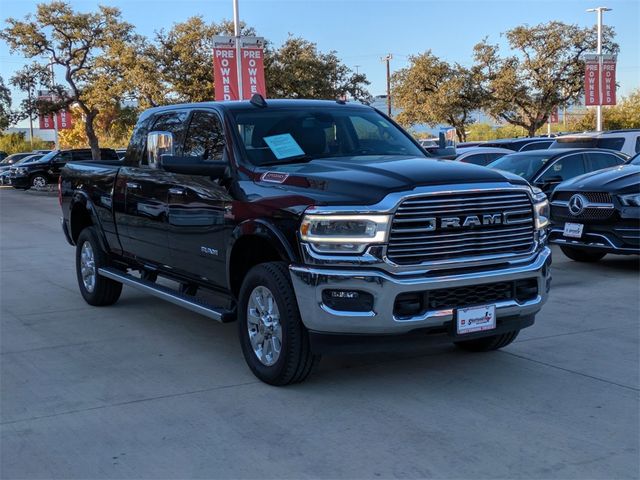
(13, 158)
(46, 170)
(312, 232)
(479, 155)
(625, 141)
(5, 171)
(598, 213)
(546, 169)
(521, 144)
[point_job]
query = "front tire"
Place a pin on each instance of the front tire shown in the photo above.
(95, 289)
(582, 255)
(39, 181)
(275, 343)
(487, 344)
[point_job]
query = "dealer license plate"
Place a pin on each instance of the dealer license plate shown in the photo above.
(476, 319)
(573, 230)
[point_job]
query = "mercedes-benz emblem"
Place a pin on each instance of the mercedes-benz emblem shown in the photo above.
(576, 204)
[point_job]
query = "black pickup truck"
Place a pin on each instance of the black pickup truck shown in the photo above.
(316, 224)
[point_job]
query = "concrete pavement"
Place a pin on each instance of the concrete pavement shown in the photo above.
(144, 389)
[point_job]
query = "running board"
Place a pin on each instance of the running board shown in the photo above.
(165, 293)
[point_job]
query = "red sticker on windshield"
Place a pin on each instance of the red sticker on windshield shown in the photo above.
(274, 177)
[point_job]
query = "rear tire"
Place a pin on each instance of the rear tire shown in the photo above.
(582, 255)
(95, 289)
(275, 343)
(488, 344)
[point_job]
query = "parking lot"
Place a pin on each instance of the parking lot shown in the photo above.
(146, 389)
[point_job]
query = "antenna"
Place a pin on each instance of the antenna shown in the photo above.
(258, 100)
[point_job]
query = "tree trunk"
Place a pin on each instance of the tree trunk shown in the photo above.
(531, 129)
(91, 135)
(461, 134)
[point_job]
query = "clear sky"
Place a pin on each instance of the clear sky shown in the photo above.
(362, 31)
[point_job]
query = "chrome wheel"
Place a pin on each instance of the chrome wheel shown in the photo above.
(39, 182)
(263, 324)
(88, 267)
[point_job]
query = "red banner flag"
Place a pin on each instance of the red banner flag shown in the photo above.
(608, 82)
(65, 120)
(591, 84)
(225, 72)
(253, 72)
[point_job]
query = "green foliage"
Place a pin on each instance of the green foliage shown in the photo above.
(546, 70)
(485, 131)
(433, 91)
(5, 106)
(86, 46)
(16, 143)
(113, 127)
(298, 70)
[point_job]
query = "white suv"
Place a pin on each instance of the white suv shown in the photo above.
(625, 141)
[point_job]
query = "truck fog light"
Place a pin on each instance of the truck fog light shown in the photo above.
(348, 300)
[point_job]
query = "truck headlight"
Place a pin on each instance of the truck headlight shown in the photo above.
(541, 209)
(344, 233)
(631, 200)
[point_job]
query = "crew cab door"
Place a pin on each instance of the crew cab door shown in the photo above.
(143, 223)
(199, 224)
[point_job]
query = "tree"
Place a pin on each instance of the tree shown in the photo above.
(5, 106)
(82, 44)
(432, 91)
(113, 127)
(546, 71)
(298, 70)
(29, 79)
(184, 56)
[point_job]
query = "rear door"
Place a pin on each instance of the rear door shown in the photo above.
(199, 223)
(143, 223)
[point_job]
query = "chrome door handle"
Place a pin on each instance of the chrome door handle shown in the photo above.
(177, 191)
(133, 186)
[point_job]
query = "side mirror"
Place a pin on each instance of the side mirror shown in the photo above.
(193, 166)
(158, 144)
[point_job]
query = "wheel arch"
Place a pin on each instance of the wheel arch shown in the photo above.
(254, 242)
(82, 214)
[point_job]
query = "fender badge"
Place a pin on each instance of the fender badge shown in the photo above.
(274, 177)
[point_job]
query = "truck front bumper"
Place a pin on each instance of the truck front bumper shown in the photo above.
(314, 286)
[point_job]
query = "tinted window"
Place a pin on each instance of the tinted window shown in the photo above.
(81, 155)
(565, 168)
(635, 160)
(476, 159)
(612, 143)
(637, 144)
(319, 132)
(601, 160)
(536, 146)
(62, 157)
(526, 165)
(205, 138)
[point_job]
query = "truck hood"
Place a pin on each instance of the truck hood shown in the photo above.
(368, 179)
(620, 179)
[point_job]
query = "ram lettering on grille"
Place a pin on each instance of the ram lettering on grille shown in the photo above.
(459, 225)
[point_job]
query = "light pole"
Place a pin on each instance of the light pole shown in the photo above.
(236, 32)
(599, 11)
(387, 59)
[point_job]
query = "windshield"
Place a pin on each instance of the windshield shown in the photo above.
(48, 156)
(280, 136)
(635, 160)
(12, 158)
(612, 143)
(526, 165)
(29, 159)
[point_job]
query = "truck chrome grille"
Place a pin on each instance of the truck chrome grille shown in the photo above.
(418, 234)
